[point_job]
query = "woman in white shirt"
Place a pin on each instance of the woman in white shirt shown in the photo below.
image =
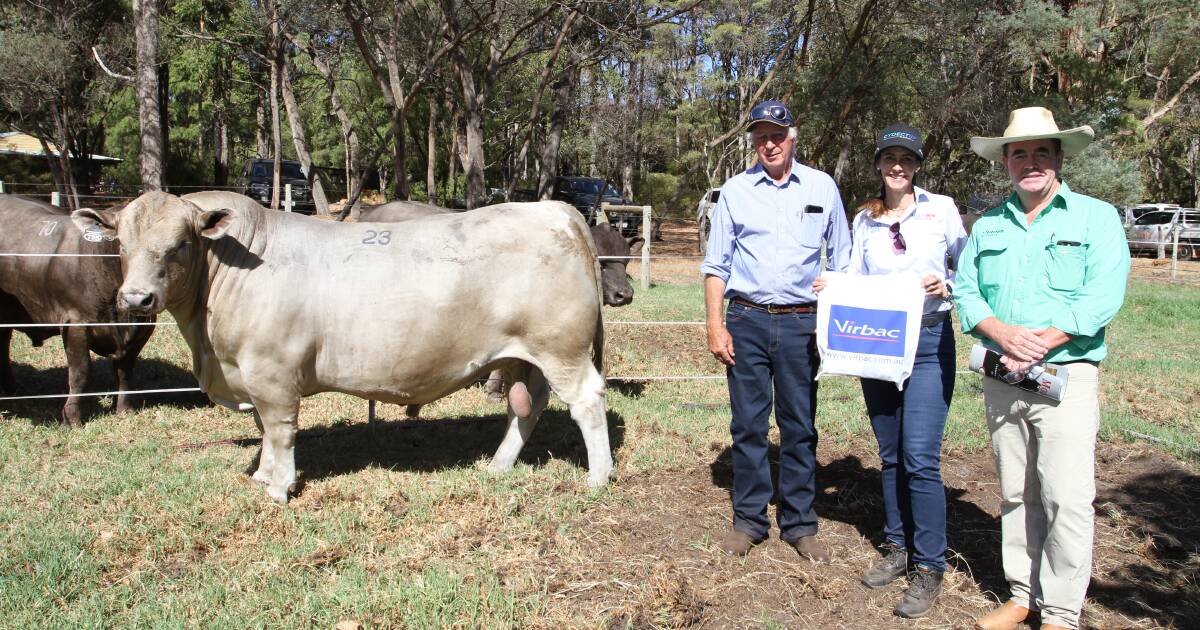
(907, 228)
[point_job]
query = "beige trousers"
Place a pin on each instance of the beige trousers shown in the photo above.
(1045, 458)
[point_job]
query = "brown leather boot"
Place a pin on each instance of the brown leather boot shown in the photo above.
(736, 543)
(1006, 617)
(808, 547)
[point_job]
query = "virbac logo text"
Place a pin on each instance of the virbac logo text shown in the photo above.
(867, 330)
(863, 330)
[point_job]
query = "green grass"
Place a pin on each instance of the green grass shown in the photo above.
(149, 520)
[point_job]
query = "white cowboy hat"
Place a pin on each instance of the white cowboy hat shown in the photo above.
(1032, 123)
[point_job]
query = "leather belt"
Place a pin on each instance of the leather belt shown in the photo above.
(774, 309)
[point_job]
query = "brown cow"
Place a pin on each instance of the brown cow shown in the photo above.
(72, 288)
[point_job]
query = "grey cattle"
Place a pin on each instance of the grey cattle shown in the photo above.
(609, 244)
(70, 288)
(395, 211)
(223, 199)
(277, 306)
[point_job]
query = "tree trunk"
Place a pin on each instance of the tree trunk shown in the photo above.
(472, 156)
(221, 127)
(300, 140)
(261, 147)
(563, 89)
(275, 54)
(452, 162)
(151, 158)
(431, 154)
(164, 116)
(400, 157)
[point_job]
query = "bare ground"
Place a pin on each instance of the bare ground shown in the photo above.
(655, 563)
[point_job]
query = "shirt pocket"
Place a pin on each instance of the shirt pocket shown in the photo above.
(806, 228)
(1065, 267)
(992, 265)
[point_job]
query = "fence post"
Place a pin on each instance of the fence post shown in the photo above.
(55, 199)
(647, 232)
(1174, 248)
(287, 197)
(1, 186)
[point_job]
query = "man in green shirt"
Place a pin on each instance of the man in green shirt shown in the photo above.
(1040, 278)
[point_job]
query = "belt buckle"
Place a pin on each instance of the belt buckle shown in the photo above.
(774, 309)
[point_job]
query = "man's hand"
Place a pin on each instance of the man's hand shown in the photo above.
(720, 343)
(1019, 343)
(818, 284)
(1014, 365)
(1052, 337)
(934, 285)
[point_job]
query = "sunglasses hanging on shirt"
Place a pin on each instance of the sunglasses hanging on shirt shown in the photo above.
(898, 244)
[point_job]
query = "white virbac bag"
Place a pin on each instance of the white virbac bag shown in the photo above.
(868, 326)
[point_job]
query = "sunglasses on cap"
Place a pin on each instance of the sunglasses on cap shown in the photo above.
(897, 238)
(778, 112)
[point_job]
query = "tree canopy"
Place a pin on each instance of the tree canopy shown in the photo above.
(465, 101)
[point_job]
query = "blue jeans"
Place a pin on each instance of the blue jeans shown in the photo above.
(775, 361)
(909, 425)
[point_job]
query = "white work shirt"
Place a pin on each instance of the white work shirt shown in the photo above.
(933, 233)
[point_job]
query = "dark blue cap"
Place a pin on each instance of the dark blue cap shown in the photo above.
(899, 135)
(772, 112)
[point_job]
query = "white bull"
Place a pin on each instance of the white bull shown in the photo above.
(276, 307)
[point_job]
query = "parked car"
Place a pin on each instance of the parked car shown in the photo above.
(704, 216)
(588, 193)
(258, 176)
(1151, 232)
(1133, 213)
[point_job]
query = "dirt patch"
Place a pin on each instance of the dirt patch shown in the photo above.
(652, 562)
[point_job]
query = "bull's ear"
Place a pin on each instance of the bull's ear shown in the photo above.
(635, 245)
(103, 221)
(213, 224)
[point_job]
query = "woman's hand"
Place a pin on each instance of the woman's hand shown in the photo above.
(933, 285)
(818, 285)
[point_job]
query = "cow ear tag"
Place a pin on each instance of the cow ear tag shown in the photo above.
(91, 221)
(214, 223)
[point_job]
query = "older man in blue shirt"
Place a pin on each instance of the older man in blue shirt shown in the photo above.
(764, 251)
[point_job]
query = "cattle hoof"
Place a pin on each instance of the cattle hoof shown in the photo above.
(597, 481)
(262, 478)
(278, 495)
(499, 468)
(412, 412)
(72, 417)
(496, 396)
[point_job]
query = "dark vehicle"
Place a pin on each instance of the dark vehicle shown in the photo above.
(259, 175)
(587, 193)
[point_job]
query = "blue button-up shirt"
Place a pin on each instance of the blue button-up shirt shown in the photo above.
(766, 237)
(933, 232)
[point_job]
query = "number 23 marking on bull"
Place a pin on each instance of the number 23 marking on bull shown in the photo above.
(382, 237)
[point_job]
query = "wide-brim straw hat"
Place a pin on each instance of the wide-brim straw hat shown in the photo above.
(1032, 123)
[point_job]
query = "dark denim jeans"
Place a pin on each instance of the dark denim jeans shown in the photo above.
(909, 425)
(775, 360)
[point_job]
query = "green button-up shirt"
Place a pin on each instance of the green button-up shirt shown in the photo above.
(1067, 269)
